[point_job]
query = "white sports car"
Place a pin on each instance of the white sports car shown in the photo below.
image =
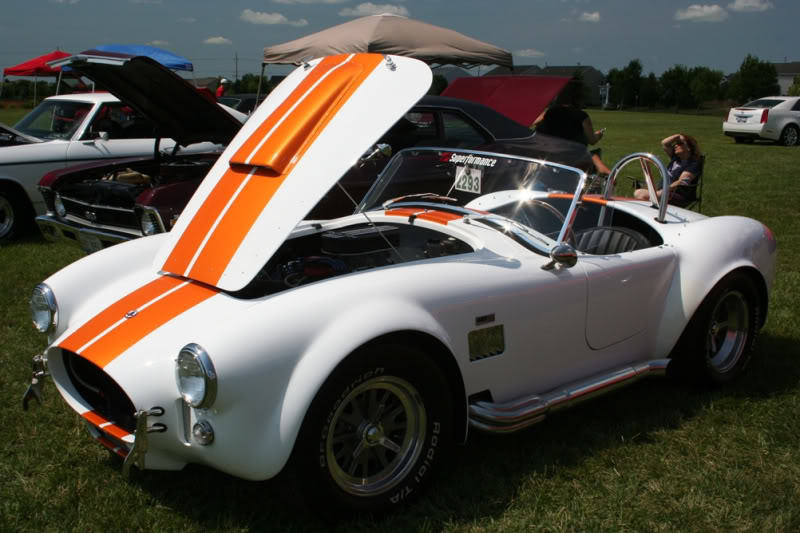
(469, 291)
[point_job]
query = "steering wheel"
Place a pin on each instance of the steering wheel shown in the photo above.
(544, 218)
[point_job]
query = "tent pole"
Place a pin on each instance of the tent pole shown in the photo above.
(35, 83)
(58, 83)
(1, 85)
(258, 92)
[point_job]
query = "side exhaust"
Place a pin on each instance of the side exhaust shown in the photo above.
(523, 412)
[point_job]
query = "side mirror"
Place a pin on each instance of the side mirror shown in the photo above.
(562, 254)
(380, 150)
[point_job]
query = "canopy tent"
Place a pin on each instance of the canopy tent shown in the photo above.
(520, 98)
(391, 34)
(35, 67)
(168, 59)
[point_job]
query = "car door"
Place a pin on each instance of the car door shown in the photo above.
(127, 135)
(625, 293)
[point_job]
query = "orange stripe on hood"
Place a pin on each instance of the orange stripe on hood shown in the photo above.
(109, 333)
(213, 236)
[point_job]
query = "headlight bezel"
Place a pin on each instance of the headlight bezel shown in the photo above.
(193, 355)
(47, 297)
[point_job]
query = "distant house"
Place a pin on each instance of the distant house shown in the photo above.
(786, 74)
(592, 78)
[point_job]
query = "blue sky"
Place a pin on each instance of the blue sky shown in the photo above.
(601, 33)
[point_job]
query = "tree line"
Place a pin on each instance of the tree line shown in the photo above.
(681, 87)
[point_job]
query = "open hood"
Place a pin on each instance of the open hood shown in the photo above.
(179, 111)
(15, 137)
(310, 130)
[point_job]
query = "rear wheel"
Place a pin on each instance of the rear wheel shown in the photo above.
(374, 434)
(789, 135)
(717, 345)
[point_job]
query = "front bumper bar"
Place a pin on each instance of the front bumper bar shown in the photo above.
(89, 238)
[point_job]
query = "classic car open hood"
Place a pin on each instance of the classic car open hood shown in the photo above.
(310, 130)
(17, 137)
(179, 110)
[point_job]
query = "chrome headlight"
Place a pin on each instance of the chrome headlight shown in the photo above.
(196, 377)
(59, 205)
(44, 309)
(149, 224)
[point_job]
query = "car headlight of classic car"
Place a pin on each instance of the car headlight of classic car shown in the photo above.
(59, 205)
(196, 377)
(44, 309)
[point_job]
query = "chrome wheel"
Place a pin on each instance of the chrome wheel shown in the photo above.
(6, 216)
(728, 331)
(789, 136)
(377, 434)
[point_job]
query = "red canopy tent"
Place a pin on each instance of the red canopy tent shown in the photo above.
(35, 67)
(520, 98)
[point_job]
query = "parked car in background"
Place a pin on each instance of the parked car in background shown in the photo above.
(91, 203)
(470, 291)
(154, 207)
(775, 118)
(81, 128)
(244, 103)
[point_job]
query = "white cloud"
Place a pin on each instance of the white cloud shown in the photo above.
(217, 40)
(158, 43)
(702, 13)
(528, 52)
(291, 2)
(259, 17)
(368, 8)
(589, 17)
(750, 5)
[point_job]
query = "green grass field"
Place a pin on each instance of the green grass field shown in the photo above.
(653, 457)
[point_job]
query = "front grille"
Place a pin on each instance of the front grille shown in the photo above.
(106, 216)
(101, 392)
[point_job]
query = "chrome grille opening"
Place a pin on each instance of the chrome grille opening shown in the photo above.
(101, 392)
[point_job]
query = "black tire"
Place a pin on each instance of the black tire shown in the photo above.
(716, 347)
(789, 136)
(374, 434)
(14, 214)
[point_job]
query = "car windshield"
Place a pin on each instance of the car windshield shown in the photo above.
(54, 119)
(517, 188)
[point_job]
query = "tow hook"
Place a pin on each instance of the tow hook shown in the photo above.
(34, 390)
(138, 451)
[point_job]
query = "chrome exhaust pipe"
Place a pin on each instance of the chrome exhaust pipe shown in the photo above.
(522, 412)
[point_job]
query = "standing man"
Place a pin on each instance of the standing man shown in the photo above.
(222, 88)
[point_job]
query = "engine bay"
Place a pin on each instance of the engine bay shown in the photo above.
(357, 248)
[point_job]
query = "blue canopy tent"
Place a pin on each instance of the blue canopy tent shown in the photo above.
(121, 51)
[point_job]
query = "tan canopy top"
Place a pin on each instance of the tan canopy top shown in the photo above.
(391, 34)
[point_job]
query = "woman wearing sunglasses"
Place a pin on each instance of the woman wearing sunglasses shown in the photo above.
(683, 170)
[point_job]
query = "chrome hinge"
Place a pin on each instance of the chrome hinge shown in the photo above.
(34, 390)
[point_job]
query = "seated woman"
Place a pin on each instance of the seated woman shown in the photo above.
(683, 169)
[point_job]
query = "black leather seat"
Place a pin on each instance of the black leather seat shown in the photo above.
(610, 240)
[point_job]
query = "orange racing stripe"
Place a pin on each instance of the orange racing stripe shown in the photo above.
(282, 150)
(439, 217)
(123, 334)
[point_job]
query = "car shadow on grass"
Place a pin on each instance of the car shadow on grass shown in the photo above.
(485, 476)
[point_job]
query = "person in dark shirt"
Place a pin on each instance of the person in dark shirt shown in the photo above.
(566, 119)
(682, 170)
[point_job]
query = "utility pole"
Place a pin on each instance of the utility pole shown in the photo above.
(236, 64)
